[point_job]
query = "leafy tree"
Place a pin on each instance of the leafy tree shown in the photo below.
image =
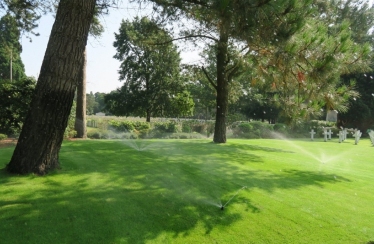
(153, 84)
(15, 98)
(100, 102)
(91, 103)
(227, 23)
(10, 50)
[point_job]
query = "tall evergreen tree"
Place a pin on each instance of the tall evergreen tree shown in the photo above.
(42, 133)
(10, 50)
(226, 22)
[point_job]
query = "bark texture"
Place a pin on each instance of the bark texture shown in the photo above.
(80, 114)
(41, 137)
(222, 89)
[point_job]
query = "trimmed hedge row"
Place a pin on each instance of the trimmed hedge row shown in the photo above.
(257, 129)
(121, 129)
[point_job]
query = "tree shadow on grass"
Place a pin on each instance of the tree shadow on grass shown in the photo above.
(107, 192)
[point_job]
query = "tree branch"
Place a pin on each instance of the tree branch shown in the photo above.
(208, 77)
(186, 37)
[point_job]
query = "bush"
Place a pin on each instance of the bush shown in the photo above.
(252, 130)
(280, 128)
(121, 126)
(3, 137)
(167, 127)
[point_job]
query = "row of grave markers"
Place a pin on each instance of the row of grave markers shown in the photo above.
(342, 134)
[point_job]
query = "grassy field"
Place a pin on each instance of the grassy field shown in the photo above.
(170, 191)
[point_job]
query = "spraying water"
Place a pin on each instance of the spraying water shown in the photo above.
(222, 207)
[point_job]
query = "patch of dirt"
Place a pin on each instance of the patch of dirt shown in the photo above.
(8, 143)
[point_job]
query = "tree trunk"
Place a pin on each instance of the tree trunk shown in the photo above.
(148, 116)
(42, 133)
(222, 90)
(80, 115)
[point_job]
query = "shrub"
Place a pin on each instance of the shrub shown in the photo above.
(3, 137)
(167, 127)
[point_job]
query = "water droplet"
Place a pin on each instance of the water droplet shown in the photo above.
(365, 75)
(354, 98)
(264, 112)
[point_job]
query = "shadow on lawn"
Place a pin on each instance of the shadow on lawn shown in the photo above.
(117, 194)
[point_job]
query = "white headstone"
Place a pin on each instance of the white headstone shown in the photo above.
(329, 133)
(312, 133)
(357, 136)
(371, 134)
(341, 136)
(325, 134)
(345, 132)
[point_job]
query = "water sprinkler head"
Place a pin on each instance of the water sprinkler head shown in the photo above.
(222, 207)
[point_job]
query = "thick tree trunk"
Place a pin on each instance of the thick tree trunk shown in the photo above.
(42, 133)
(80, 114)
(222, 90)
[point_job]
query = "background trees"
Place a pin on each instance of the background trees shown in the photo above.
(245, 24)
(151, 71)
(10, 50)
(15, 98)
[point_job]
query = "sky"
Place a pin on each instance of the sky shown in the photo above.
(102, 68)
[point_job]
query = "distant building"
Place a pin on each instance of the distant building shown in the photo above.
(100, 114)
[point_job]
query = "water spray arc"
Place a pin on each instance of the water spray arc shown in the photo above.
(222, 207)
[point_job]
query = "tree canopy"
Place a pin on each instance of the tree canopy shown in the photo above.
(153, 85)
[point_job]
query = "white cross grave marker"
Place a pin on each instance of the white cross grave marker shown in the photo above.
(325, 134)
(371, 134)
(357, 136)
(312, 133)
(345, 132)
(341, 136)
(329, 133)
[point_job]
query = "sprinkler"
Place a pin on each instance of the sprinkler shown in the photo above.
(222, 207)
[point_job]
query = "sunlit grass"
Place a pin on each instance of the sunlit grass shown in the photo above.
(170, 191)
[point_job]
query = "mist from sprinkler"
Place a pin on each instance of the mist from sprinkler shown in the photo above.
(222, 207)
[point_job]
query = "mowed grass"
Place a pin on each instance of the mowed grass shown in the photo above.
(169, 191)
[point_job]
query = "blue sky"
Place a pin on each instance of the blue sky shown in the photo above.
(102, 68)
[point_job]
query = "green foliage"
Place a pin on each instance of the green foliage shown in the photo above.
(15, 98)
(167, 127)
(70, 129)
(95, 103)
(121, 126)
(3, 137)
(10, 50)
(251, 130)
(151, 87)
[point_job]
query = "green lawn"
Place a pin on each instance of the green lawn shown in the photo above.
(170, 191)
